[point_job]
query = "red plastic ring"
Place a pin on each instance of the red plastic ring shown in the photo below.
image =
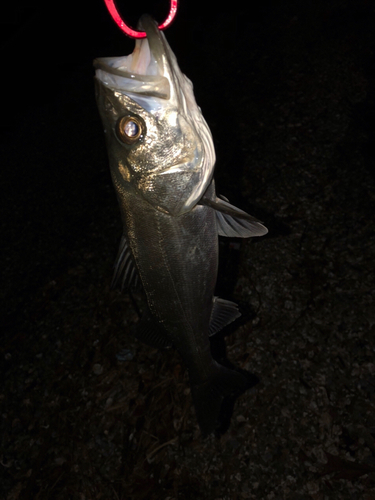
(134, 33)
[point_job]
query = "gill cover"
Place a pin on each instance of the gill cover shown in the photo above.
(157, 139)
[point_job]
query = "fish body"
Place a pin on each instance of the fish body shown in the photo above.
(162, 159)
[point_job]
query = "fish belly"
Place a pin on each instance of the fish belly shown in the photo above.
(177, 259)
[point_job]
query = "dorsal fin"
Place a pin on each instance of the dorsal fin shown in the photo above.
(223, 313)
(232, 221)
(125, 273)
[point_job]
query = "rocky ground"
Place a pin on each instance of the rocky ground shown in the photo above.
(87, 412)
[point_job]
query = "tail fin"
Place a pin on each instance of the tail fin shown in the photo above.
(209, 397)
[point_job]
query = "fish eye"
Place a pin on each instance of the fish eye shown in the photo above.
(130, 129)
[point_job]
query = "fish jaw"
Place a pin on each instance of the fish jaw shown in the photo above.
(172, 164)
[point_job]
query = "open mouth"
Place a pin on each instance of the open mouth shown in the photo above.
(140, 72)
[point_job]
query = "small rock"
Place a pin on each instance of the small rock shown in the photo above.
(97, 369)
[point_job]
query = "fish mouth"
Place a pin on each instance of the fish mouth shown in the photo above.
(143, 72)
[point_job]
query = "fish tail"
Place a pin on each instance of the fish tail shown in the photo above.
(209, 397)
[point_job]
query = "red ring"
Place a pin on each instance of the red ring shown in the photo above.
(134, 33)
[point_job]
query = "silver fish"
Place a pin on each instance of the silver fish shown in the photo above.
(162, 159)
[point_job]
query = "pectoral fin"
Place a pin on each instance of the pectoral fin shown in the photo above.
(232, 221)
(125, 273)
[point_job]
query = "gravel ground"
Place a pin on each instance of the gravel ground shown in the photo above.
(87, 412)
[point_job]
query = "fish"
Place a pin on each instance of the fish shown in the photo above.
(162, 158)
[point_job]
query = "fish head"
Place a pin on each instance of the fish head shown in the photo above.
(157, 139)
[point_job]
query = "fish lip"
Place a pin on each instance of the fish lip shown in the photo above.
(103, 64)
(157, 47)
(155, 38)
(147, 72)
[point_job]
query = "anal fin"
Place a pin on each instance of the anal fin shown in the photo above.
(223, 313)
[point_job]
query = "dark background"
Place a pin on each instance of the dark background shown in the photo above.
(287, 89)
(55, 178)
